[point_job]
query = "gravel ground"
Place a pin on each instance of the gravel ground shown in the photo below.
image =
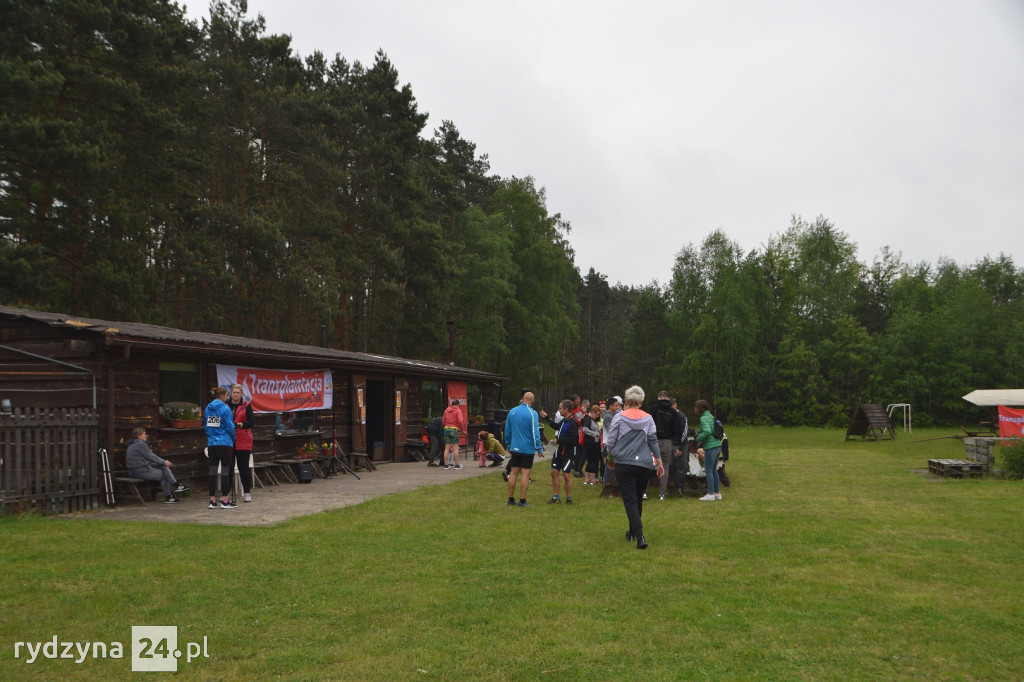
(274, 504)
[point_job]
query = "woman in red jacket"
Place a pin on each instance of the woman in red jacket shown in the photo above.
(243, 438)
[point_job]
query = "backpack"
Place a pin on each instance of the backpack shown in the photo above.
(718, 431)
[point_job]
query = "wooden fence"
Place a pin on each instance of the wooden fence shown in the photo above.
(48, 461)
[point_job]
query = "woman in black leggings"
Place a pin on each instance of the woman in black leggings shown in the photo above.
(633, 444)
(220, 446)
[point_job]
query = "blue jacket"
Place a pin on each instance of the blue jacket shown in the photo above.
(522, 430)
(568, 438)
(220, 423)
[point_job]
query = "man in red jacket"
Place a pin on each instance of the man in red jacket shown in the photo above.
(454, 424)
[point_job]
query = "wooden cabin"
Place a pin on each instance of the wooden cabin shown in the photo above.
(132, 373)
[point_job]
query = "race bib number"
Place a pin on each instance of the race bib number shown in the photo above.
(213, 422)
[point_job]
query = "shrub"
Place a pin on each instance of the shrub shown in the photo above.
(1012, 457)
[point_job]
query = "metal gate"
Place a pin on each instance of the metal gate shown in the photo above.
(48, 461)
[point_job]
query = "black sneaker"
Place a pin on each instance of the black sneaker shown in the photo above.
(524, 503)
(181, 488)
(227, 505)
(431, 464)
(504, 474)
(554, 500)
(568, 500)
(171, 499)
(213, 505)
(511, 503)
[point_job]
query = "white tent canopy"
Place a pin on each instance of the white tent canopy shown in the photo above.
(1013, 397)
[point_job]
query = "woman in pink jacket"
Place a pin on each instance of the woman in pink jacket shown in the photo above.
(243, 438)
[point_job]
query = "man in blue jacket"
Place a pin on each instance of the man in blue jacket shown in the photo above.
(522, 440)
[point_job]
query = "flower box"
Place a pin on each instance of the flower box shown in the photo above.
(186, 423)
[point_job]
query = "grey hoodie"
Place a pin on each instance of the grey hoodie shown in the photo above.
(138, 457)
(633, 439)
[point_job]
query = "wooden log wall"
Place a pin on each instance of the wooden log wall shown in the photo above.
(131, 378)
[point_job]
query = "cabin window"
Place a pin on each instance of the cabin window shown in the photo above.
(302, 421)
(179, 383)
(431, 399)
(475, 401)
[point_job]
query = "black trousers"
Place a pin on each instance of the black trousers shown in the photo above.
(244, 472)
(633, 482)
(223, 455)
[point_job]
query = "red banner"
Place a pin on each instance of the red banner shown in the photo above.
(1011, 422)
(457, 391)
(280, 390)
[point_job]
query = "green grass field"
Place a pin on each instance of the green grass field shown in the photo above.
(826, 560)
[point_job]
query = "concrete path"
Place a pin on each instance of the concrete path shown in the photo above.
(275, 504)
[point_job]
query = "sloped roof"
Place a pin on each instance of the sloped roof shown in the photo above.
(998, 396)
(156, 336)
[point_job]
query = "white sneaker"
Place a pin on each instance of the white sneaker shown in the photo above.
(718, 496)
(644, 497)
(247, 497)
(710, 497)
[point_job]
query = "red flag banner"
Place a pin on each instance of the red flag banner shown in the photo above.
(280, 390)
(1011, 422)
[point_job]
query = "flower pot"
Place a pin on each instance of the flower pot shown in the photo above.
(186, 423)
(308, 455)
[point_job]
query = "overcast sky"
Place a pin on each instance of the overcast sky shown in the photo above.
(650, 124)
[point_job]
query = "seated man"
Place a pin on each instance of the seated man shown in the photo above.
(141, 462)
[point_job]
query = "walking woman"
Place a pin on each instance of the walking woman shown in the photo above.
(633, 445)
(243, 421)
(711, 448)
(220, 446)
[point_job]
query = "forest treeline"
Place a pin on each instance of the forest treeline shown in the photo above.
(202, 175)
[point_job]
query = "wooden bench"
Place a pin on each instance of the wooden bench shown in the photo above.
(261, 470)
(131, 484)
(417, 450)
(360, 459)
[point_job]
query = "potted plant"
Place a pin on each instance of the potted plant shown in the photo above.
(308, 450)
(182, 416)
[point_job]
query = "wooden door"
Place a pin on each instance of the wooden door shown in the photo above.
(359, 413)
(401, 400)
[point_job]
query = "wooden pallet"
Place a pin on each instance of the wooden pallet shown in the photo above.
(956, 468)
